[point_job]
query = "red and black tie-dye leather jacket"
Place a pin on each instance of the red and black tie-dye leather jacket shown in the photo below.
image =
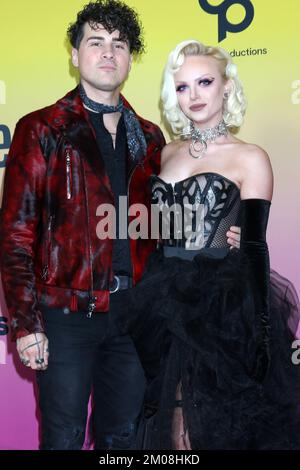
(55, 180)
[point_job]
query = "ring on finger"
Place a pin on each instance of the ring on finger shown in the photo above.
(39, 360)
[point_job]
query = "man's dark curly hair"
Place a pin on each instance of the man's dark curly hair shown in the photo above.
(112, 15)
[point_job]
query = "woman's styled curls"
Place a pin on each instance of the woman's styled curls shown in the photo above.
(234, 104)
(112, 15)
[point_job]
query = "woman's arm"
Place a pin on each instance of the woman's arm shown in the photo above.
(256, 194)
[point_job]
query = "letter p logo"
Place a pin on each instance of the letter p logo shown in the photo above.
(221, 10)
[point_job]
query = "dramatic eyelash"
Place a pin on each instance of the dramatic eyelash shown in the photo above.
(180, 88)
(206, 80)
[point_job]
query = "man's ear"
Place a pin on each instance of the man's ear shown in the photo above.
(74, 57)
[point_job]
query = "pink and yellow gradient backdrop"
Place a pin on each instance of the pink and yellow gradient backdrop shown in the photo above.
(35, 71)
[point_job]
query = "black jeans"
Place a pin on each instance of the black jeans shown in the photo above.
(89, 354)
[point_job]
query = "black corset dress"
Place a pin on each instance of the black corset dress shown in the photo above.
(193, 318)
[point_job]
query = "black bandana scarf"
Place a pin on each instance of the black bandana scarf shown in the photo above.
(135, 137)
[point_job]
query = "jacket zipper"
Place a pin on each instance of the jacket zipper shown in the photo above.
(68, 174)
(92, 299)
(47, 249)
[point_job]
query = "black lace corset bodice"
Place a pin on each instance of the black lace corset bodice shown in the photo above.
(197, 211)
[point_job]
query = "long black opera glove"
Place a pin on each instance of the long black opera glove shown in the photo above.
(255, 214)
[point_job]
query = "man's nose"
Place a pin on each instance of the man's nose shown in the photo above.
(108, 52)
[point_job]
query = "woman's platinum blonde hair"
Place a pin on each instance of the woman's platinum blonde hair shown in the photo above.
(234, 105)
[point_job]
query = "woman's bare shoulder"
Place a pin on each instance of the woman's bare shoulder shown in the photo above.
(255, 170)
(249, 150)
(252, 156)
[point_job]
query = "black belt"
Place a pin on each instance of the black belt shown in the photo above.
(187, 254)
(120, 282)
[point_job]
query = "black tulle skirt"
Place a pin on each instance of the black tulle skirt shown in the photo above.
(194, 324)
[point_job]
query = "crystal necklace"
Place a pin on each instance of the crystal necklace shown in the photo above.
(200, 138)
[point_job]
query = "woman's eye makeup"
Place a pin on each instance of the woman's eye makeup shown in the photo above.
(202, 82)
(181, 88)
(206, 81)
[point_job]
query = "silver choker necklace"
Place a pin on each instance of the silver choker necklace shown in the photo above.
(200, 138)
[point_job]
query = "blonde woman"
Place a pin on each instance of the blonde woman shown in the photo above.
(210, 328)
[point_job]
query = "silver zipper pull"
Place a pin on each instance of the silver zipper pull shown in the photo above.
(68, 171)
(45, 272)
(49, 223)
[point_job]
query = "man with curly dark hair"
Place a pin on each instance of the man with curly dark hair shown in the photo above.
(113, 16)
(64, 281)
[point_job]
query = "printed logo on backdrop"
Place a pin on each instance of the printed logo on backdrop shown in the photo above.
(5, 138)
(296, 354)
(296, 94)
(5, 141)
(3, 332)
(224, 25)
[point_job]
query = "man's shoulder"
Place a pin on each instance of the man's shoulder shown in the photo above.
(51, 113)
(149, 126)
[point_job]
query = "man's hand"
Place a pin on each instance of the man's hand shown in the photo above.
(33, 351)
(234, 237)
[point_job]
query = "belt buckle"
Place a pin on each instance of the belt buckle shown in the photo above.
(117, 279)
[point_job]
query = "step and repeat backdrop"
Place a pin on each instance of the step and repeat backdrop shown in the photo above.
(35, 70)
